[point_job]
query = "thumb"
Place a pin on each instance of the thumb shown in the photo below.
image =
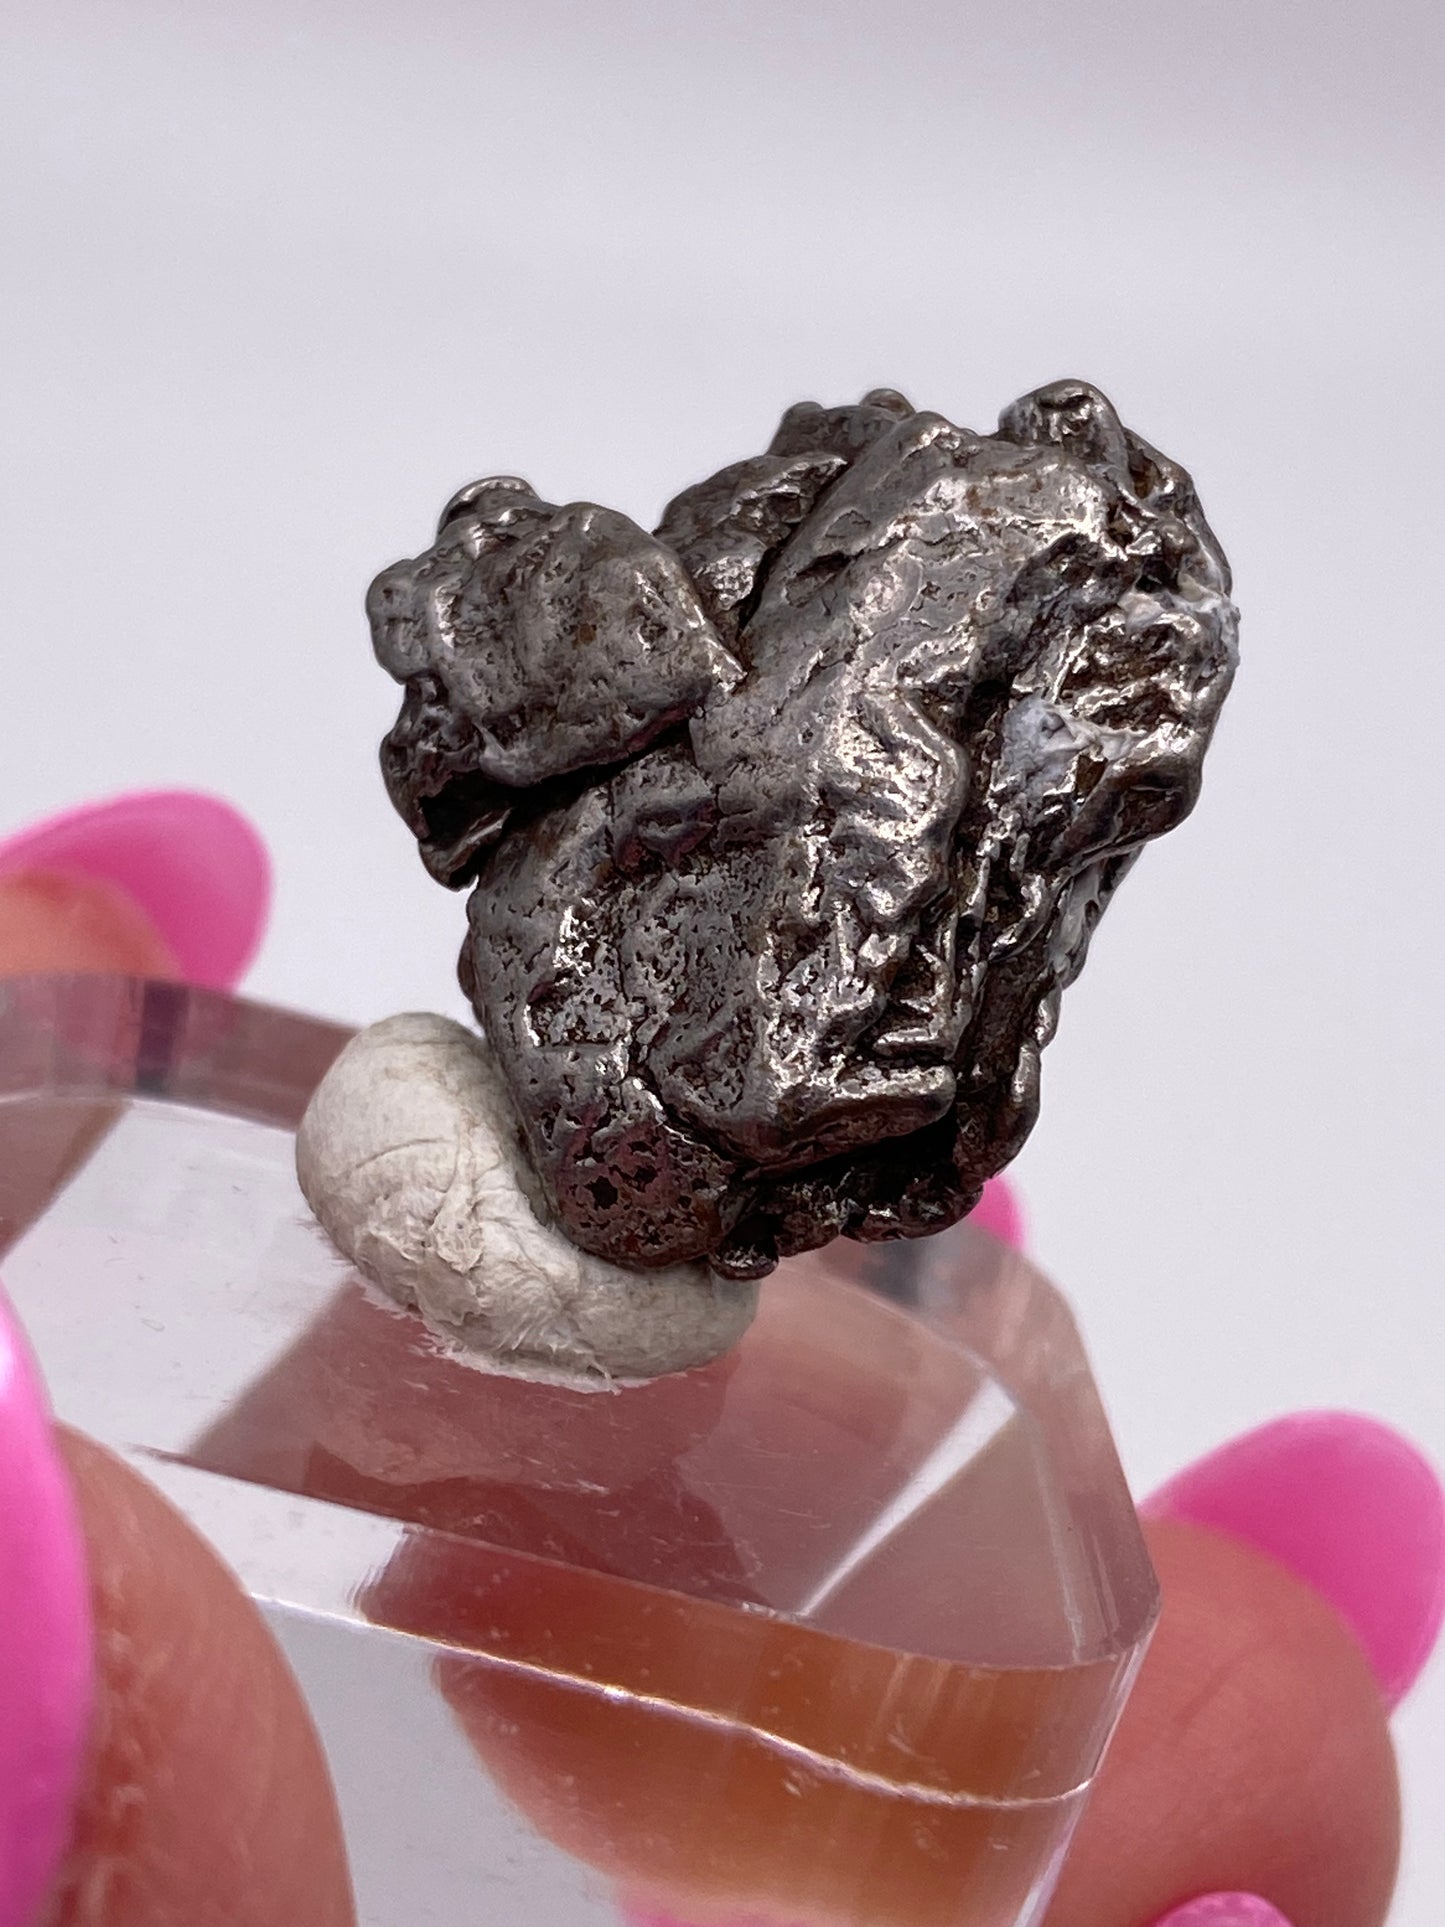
(206, 1797)
(176, 1779)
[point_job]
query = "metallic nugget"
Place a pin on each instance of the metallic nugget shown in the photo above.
(786, 825)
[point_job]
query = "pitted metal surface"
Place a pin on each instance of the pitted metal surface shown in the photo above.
(788, 824)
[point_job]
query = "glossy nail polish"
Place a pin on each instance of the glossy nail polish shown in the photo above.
(1224, 1910)
(1350, 1507)
(191, 863)
(45, 1680)
(998, 1212)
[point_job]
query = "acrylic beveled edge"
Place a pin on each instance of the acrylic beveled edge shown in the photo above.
(93, 1036)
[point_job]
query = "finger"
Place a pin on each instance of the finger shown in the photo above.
(194, 867)
(1348, 1505)
(206, 1800)
(206, 1797)
(1254, 1755)
(1351, 1512)
(76, 924)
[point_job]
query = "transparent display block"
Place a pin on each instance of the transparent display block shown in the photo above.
(834, 1630)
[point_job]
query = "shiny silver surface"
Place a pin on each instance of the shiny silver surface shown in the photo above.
(787, 825)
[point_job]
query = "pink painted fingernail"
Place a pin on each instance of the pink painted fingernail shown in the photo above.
(998, 1211)
(1224, 1910)
(1350, 1507)
(192, 863)
(45, 1676)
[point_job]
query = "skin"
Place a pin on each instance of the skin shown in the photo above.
(1254, 1755)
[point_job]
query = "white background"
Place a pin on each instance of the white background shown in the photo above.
(275, 278)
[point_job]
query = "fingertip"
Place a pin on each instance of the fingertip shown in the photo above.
(76, 924)
(999, 1212)
(45, 1636)
(1254, 1755)
(191, 865)
(205, 1776)
(1350, 1506)
(1225, 1910)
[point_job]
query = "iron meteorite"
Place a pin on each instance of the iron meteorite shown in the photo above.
(787, 825)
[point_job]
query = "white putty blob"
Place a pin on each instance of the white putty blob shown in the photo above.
(411, 1157)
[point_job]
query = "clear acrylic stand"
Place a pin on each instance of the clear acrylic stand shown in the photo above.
(833, 1631)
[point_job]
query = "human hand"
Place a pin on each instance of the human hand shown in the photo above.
(1255, 1752)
